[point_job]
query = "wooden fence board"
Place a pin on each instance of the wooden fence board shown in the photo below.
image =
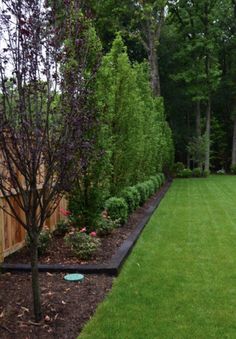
(12, 234)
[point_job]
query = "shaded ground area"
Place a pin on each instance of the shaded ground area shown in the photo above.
(179, 281)
(66, 305)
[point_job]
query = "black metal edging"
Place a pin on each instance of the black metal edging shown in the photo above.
(117, 260)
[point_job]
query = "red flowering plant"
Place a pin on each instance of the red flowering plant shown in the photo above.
(82, 244)
(65, 212)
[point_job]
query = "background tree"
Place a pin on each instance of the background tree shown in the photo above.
(198, 31)
(140, 23)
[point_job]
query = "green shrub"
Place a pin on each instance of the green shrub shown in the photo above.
(105, 225)
(162, 176)
(197, 172)
(62, 228)
(143, 190)
(206, 173)
(45, 238)
(117, 208)
(83, 245)
(177, 169)
(156, 181)
(221, 171)
(132, 198)
(186, 173)
(233, 169)
(151, 187)
(160, 179)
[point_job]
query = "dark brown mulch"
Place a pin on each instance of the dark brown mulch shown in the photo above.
(60, 253)
(66, 305)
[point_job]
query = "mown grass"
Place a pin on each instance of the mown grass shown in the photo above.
(180, 281)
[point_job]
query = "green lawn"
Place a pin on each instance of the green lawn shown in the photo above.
(180, 281)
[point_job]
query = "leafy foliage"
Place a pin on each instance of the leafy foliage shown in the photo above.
(117, 209)
(132, 198)
(45, 239)
(185, 173)
(105, 225)
(83, 245)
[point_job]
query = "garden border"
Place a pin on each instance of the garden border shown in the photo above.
(114, 266)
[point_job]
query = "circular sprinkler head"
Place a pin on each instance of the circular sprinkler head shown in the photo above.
(74, 277)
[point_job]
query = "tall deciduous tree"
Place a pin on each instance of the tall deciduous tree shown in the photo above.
(44, 116)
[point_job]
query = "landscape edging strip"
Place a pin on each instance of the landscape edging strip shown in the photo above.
(113, 267)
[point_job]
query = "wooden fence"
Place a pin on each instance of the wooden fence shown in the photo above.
(12, 234)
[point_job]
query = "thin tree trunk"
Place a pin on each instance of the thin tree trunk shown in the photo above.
(153, 61)
(208, 136)
(35, 281)
(234, 144)
(198, 119)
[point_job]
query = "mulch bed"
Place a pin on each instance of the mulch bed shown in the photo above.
(60, 253)
(67, 306)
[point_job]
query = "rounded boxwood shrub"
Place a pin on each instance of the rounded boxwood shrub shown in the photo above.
(132, 198)
(159, 177)
(162, 175)
(197, 172)
(117, 209)
(143, 190)
(155, 180)
(151, 187)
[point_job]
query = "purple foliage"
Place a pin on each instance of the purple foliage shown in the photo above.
(45, 118)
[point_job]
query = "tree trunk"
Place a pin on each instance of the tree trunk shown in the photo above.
(198, 119)
(153, 61)
(234, 144)
(35, 280)
(208, 131)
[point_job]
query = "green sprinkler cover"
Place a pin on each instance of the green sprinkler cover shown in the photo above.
(74, 277)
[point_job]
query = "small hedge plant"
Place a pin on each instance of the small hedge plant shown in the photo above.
(151, 187)
(162, 175)
(117, 209)
(185, 173)
(206, 173)
(143, 190)
(197, 172)
(105, 225)
(156, 181)
(132, 198)
(82, 244)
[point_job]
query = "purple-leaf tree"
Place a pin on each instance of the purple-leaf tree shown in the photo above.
(44, 114)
